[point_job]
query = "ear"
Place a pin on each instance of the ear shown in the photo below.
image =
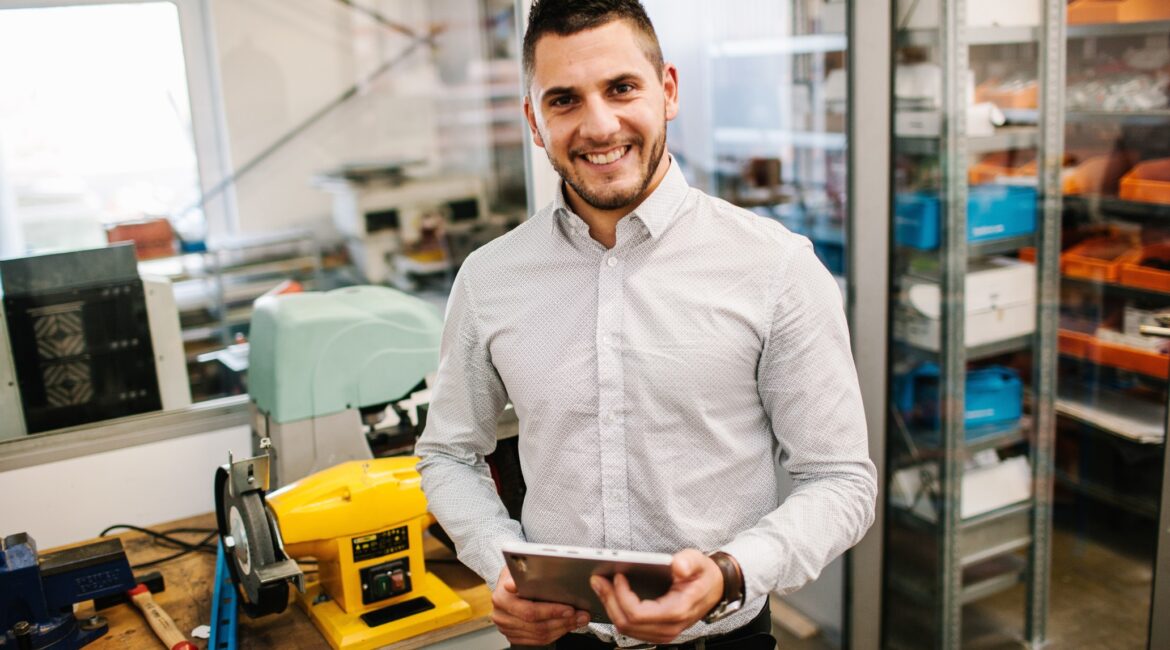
(670, 89)
(530, 115)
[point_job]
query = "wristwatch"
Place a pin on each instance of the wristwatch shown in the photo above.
(733, 589)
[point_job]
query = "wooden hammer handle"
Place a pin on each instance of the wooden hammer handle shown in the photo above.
(162, 624)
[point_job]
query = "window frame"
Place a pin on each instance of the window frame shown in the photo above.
(209, 127)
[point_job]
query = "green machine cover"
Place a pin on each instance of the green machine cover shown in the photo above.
(314, 354)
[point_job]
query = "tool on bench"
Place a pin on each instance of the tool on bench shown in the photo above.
(362, 521)
(161, 622)
(39, 591)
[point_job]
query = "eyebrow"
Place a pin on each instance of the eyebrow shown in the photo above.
(557, 91)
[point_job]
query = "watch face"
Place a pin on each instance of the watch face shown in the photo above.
(722, 610)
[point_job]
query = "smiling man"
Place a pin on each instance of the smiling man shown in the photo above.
(661, 348)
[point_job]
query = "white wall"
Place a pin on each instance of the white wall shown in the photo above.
(73, 500)
(283, 62)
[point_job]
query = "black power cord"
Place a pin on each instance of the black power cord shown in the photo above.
(166, 539)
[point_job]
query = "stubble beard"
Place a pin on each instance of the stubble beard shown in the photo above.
(615, 199)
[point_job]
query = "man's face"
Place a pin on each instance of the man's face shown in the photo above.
(598, 108)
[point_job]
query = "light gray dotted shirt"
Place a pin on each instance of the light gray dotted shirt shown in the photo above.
(655, 383)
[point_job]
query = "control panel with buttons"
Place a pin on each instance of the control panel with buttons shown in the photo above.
(385, 580)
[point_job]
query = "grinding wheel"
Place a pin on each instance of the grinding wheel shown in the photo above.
(245, 521)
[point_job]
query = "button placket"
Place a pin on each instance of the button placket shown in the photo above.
(611, 397)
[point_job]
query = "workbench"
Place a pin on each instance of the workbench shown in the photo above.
(189, 588)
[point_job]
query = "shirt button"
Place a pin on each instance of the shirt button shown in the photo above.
(611, 261)
(608, 340)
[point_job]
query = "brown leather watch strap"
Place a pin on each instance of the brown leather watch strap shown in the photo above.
(733, 586)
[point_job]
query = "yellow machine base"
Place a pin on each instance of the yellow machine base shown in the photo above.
(349, 632)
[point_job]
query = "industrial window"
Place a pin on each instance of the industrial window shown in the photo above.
(96, 122)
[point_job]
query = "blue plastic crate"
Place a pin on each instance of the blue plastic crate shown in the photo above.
(993, 212)
(994, 396)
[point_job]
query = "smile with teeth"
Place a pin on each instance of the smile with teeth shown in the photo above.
(607, 157)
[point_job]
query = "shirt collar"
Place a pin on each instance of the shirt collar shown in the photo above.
(656, 212)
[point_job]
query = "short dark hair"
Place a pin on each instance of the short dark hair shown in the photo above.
(568, 17)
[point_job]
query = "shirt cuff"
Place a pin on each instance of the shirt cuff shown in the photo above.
(758, 560)
(488, 559)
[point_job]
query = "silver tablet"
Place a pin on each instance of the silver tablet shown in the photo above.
(560, 574)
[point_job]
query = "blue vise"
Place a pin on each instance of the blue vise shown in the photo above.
(37, 593)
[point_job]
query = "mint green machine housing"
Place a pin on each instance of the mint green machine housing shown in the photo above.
(316, 359)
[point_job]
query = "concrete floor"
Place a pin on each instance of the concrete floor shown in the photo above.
(1100, 599)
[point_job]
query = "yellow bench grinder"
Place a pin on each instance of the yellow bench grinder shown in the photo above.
(362, 521)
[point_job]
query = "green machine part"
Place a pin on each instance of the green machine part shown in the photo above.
(314, 354)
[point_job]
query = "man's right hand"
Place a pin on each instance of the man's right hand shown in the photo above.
(527, 622)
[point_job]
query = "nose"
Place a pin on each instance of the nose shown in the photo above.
(599, 122)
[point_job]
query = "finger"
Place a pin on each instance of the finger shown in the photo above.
(518, 626)
(638, 610)
(534, 612)
(507, 582)
(528, 610)
(604, 590)
(686, 565)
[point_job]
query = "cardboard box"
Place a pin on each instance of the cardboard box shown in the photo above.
(152, 237)
(1001, 305)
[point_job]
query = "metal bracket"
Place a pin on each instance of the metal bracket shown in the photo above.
(250, 473)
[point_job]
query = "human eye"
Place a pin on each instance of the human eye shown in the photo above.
(561, 101)
(623, 88)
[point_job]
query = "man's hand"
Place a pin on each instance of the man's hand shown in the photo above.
(697, 587)
(526, 622)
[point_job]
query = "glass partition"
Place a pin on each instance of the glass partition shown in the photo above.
(1111, 404)
(1028, 410)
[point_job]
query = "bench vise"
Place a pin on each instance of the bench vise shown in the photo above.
(37, 592)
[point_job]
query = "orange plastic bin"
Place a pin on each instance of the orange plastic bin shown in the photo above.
(1148, 182)
(1096, 259)
(1105, 353)
(1147, 268)
(1083, 12)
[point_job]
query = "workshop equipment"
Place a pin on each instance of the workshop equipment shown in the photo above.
(325, 369)
(84, 338)
(362, 521)
(39, 591)
(388, 217)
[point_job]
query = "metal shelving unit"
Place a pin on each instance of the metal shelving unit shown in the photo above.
(976, 557)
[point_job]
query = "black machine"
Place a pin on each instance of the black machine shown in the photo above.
(79, 338)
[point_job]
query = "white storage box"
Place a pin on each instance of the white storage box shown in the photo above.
(924, 14)
(1001, 304)
(985, 488)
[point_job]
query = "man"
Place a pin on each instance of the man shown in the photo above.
(661, 348)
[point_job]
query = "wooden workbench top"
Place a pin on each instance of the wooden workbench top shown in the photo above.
(189, 589)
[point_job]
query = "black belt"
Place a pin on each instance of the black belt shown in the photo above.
(755, 635)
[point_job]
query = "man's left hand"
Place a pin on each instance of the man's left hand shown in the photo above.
(697, 587)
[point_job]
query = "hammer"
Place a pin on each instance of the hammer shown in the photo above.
(162, 624)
